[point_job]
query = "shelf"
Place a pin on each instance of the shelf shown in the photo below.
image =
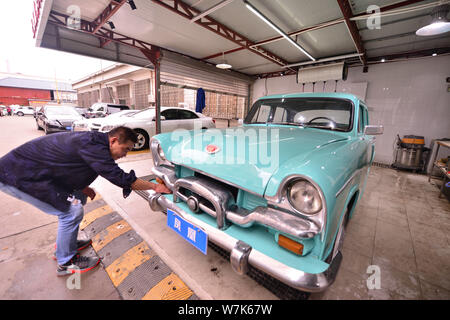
(442, 167)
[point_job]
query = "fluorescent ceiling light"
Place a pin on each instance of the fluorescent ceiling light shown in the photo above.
(439, 23)
(224, 64)
(434, 28)
(274, 27)
(211, 10)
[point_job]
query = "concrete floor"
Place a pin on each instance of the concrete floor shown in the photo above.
(27, 239)
(400, 225)
(404, 228)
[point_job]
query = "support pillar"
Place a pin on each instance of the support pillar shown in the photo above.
(155, 56)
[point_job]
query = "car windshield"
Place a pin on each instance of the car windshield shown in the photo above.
(324, 113)
(144, 114)
(60, 111)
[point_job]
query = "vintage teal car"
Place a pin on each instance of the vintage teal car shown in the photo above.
(277, 192)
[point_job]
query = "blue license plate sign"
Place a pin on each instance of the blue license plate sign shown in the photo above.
(68, 128)
(192, 234)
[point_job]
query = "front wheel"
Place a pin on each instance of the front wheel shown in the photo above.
(20, 114)
(142, 140)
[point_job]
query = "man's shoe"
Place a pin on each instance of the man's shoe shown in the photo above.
(78, 264)
(81, 244)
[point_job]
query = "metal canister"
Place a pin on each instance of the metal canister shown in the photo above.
(411, 157)
(404, 156)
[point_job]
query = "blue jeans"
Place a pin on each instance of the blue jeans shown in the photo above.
(68, 221)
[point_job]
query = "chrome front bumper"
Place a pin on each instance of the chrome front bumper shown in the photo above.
(242, 255)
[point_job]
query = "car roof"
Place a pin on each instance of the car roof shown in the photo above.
(340, 95)
(109, 104)
(165, 108)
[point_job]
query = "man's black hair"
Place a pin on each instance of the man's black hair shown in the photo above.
(123, 134)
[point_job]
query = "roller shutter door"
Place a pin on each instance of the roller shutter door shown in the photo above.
(226, 96)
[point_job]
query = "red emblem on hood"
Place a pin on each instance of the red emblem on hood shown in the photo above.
(210, 148)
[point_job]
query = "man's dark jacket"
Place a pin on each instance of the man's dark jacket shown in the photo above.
(52, 167)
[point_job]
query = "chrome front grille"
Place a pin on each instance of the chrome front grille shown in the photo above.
(219, 200)
(223, 186)
(66, 123)
(210, 196)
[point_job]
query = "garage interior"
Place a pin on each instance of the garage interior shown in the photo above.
(402, 223)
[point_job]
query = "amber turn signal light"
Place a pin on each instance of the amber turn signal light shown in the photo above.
(290, 245)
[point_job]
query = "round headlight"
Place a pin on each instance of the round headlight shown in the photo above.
(304, 197)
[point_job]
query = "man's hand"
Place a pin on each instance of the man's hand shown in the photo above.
(140, 184)
(161, 188)
(89, 192)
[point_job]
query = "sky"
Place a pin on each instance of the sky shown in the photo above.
(19, 54)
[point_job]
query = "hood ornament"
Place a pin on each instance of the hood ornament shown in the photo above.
(211, 148)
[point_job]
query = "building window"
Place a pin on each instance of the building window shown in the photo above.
(141, 92)
(123, 94)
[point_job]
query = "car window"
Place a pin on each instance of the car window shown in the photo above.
(185, 114)
(120, 107)
(361, 120)
(170, 114)
(280, 115)
(323, 113)
(262, 114)
(144, 114)
(366, 116)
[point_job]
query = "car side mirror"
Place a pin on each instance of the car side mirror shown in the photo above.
(161, 117)
(373, 130)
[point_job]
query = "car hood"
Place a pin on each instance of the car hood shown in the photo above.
(100, 121)
(246, 156)
(120, 121)
(84, 120)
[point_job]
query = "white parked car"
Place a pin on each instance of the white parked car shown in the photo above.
(143, 122)
(23, 110)
(97, 123)
(3, 110)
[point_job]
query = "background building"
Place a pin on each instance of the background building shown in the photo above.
(33, 91)
(135, 87)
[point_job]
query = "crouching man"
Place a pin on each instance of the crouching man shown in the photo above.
(53, 173)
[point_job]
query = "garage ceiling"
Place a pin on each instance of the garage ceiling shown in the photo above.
(234, 32)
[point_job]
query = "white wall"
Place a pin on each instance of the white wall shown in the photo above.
(408, 97)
